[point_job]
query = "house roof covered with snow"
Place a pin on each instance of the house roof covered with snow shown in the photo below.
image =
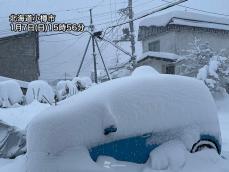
(183, 18)
(159, 56)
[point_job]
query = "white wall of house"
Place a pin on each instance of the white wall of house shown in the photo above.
(166, 39)
(179, 41)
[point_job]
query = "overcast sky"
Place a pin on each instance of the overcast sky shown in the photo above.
(62, 53)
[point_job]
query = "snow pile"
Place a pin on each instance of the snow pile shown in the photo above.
(21, 116)
(15, 165)
(144, 70)
(82, 83)
(135, 105)
(10, 93)
(65, 89)
(203, 161)
(41, 91)
(170, 155)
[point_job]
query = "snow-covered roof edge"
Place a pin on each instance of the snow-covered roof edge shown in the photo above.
(160, 55)
(163, 20)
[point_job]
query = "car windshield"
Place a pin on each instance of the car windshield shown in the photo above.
(133, 149)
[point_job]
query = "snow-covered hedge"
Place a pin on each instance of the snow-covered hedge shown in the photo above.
(69, 88)
(10, 93)
(41, 91)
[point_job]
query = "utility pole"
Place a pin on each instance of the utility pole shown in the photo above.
(128, 33)
(93, 37)
(132, 36)
(93, 46)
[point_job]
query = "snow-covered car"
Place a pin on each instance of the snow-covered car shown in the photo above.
(124, 119)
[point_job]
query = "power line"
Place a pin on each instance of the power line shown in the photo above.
(102, 16)
(60, 33)
(200, 10)
(60, 52)
(166, 6)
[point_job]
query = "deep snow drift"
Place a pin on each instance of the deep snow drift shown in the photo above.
(22, 115)
(203, 161)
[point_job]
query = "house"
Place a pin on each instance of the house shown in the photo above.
(175, 31)
(19, 56)
(161, 61)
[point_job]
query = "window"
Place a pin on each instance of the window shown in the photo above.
(170, 69)
(154, 46)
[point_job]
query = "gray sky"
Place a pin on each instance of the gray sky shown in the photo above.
(62, 53)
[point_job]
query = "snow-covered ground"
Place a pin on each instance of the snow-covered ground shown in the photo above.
(207, 160)
(20, 116)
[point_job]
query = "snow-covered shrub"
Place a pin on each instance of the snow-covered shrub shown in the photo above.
(10, 93)
(69, 88)
(82, 83)
(41, 91)
(65, 89)
(144, 70)
(207, 65)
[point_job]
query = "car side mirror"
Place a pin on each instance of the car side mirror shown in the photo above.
(110, 129)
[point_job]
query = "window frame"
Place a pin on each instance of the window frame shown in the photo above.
(154, 46)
